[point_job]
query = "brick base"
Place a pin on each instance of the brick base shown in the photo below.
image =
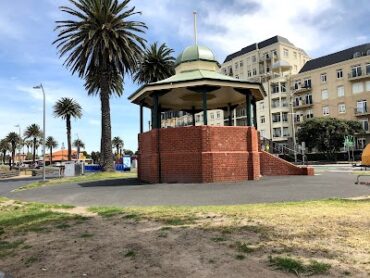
(199, 154)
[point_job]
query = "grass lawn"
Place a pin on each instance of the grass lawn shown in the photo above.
(328, 237)
(89, 177)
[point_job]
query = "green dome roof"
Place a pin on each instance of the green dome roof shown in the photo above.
(196, 53)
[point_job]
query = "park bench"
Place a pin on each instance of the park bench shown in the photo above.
(362, 175)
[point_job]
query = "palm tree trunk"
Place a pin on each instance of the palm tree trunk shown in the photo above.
(13, 158)
(107, 163)
(68, 122)
(51, 155)
(4, 155)
(34, 151)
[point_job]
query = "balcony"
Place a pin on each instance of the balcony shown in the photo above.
(301, 89)
(362, 111)
(302, 104)
(360, 73)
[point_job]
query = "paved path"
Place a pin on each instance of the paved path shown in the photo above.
(130, 192)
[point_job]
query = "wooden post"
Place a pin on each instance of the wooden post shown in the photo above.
(141, 118)
(249, 108)
(205, 120)
(229, 111)
(193, 115)
(155, 112)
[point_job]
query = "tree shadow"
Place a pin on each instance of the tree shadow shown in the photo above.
(115, 182)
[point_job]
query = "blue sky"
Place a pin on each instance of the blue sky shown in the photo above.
(27, 56)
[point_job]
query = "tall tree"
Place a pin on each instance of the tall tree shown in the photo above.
(117, 142)
(13, 139)
(156, 64)
(51, 143)
(67, 108)
(78, 144)
(101, 44)
(4, 148)
(327, 134)
(33, 131)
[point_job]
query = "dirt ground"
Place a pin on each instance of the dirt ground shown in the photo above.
(124, 246)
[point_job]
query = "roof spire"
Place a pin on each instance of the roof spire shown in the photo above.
(195, 28)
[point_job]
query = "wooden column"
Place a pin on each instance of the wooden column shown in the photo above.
(141, 118)
(205, 120)
(193, 115)
(254, 112)
(248, 103)
(229, 111)
(155, 112)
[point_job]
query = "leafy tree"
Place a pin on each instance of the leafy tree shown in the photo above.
(33, 131)
(101, 44)
(95, 156)
(78, 144)
(128, 152)
(13, 139)
(156, 64)
(67, 108)
(327, 134)
(51, 143)
(117, 142)
(4, 148)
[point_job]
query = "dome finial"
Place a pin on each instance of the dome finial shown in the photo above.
(195, 28)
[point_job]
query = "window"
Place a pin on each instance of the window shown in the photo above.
(368, 86)
(275, 103)
(218, 115)
(249, 73)
(368, 69)
(324, 94)
(277, 132)
(284, 102)
(356, 71)
(297, 84)
(262, 119)
(357, 87)
(286, 52)
(262, 105)
(275, 88)
(212, 116)
(197, 118)
(241, 64)
(340, 91)
(323, 78)
(361, 143)
(254, 59)
(325, 110)
(236, 66)
(309, 114)
(365, 124)
(341, 108)
(237, 76)
(254, 71)
(274, 53)
(339, 74)
(285, 131)
(307, 83)
(276, 118)
(361, 106)
(295, 55)
(285, 117)
(308, 99)
(283, 87)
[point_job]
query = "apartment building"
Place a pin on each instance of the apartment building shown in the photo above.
(180, 118)
(271, 62)
(336, 85)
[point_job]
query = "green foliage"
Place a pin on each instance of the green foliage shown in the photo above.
(156, 64)
(297, 267)
(67, 108)
(327, 134)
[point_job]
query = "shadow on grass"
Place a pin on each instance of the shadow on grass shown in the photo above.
(115, 182)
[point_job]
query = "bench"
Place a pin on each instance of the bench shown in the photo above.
(362, 175)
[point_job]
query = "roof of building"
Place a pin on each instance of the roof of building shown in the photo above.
(196, 53)
(334, 58)
(258, 45)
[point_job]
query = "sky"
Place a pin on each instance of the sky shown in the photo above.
(28, 58)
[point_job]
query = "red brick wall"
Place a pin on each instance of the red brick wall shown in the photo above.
(206, 154)
(275, 166)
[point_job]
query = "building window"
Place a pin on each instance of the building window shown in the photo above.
(284, 102)
(262, 119)
(339, 74)
(276, 132)
(276, 118)
(283, 87)
(285, 116)
(365, 124)
(307, 83)
(212, 116)
(254, 71)
(275, 103)
(309, 114)
(275, 88)
(340, 91)
(286, 52)
(241, 64)
(324, 94)
(218, 115)
(236, 66)
(295, 55)
(361, 143)
(197, 118)
(357, 87)
(341, 108)
(368, 69)
(285, 131)
(254, 59)
(368, 86)
(323, 78)
(274, 53)
(249, 73)
(297, 84)
(325, 110)
(356, 71)
(361, 106)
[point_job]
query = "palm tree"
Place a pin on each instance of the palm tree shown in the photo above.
(101, 44)
(4, 148)
(156, 64)
(33, 131)
(67, 108)
(28, 144)
(13, 139)
(51, 143)
(118, 143)
(78, 144)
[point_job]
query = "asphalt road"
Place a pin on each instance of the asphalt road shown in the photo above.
(131, 192)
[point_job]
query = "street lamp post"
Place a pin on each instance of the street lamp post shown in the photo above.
(20, 138)
(44, 129)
